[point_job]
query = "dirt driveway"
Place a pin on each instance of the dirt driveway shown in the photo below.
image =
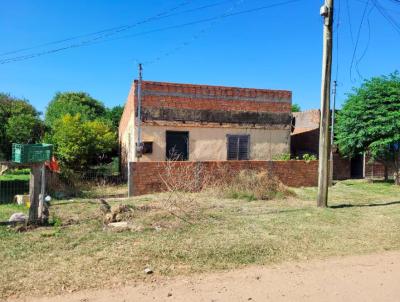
(357, 278)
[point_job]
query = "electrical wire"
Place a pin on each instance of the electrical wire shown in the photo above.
(358, 38)
(194, 37)
(350, 24)
(29, 56)
(386, 15)
(118, 29)
(358, 61)
(337, 40)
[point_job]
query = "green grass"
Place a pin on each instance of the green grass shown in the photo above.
(11, 177)
(225, 233)
(6, 210)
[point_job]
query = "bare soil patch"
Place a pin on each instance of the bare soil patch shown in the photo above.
(356, 278)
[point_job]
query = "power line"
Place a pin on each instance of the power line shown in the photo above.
(349, 19)
(118, 29)
(337, 40)
(367, 45)
(194, 37)
(386, 15)
(358, 37)
(38, 54)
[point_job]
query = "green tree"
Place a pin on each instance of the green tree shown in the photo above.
(19, 123)
(370, 121)
(24, 129)
(296, 108)
(79, 143)
(73, 103)
(113, 115)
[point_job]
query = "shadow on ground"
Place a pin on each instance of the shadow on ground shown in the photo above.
(348, 205)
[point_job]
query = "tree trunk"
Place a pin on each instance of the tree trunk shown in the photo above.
(397, 169)
(397, 175)
(386, 173)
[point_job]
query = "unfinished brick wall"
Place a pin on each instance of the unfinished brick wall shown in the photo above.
(147, 176)
(206, 97)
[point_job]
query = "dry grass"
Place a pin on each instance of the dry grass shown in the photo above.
(97, 190)
(228, 233)
(252, 185)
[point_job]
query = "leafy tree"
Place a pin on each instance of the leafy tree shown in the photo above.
(19, 123)
(79, 143)
(24, 129)
(296, 108)
(113, 115)
(73, 103)
(370, 121)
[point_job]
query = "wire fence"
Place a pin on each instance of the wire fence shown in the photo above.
(9, 188)
(82, 184)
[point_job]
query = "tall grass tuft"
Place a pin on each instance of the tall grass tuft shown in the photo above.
(254, 185)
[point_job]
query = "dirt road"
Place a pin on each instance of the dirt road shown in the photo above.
(357, 278)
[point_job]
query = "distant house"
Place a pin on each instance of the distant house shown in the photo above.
(305, 139)
(204, 123)
(305, 135)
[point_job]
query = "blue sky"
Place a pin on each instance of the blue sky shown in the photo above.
(276, 48)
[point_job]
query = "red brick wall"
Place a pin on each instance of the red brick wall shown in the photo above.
(205, 97)
(374, 169)
(147, 176)
(213, 104)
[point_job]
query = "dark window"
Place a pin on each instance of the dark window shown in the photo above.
(147, 147)
(177, 145)
(238, 147)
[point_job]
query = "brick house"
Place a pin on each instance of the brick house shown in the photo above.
(305, 139)
(203, 123)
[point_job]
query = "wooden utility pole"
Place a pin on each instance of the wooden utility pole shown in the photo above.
(139, 146)
(324, 141)
(332, 133)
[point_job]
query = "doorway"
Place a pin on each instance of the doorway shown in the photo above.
(357, 166)
(177, 145)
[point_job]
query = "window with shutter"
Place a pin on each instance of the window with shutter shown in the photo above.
(238, 147)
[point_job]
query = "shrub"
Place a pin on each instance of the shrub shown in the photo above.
(309, 157)
(282, 156)
(253, 185)
(180, 180)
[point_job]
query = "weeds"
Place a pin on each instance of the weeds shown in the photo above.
(180, 181)
(252, 185)
(226, 234)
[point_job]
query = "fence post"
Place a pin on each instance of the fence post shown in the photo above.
(34, 188)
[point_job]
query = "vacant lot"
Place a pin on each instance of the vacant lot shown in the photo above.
(78, 253)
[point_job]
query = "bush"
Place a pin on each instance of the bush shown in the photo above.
(253, 185)
(80, 144)
(282, 156)
(25, 171)
(309, 157)
(180, 181)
